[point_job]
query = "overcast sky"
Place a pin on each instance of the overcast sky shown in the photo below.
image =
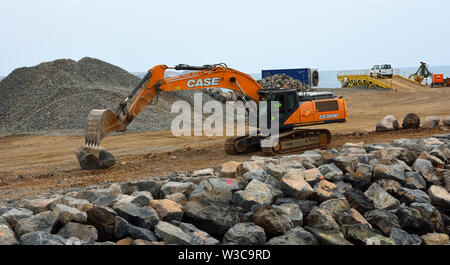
(247, 35)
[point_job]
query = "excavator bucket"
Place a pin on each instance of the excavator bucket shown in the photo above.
(100, 123)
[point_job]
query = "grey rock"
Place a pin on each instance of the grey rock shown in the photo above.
(173, 187)
(245, 234)
(363, 234)
(380, 198)
(295, 236)
(256, 192)
(424, 167)
(401, 237)
(7, 235)
(413, 195)
(67, 214)
(171, 234)
(414, 180)
(293, 184)
(103, 219)
(425, 209)
(86, 233)
(325, 190)
(94, 194)
(439, 196)
(383, 220)
(39, 205)
(388, 123)
(335, 206)
(40, 222)
(176, 197)
(274, 170)
(144, 217)
(14, 215)
(350, 217)
(107, 200)
(124, 229)
(198, 237)
(262, 176)
(293, 211)
(446, 121)
(212, 212)
(395, 172)
(430, 122)
(41, 238)
(322, 219)
(274, 221)
(359, 201)
(411, 221)
(305, 205)
(331, 172)
(328, 237)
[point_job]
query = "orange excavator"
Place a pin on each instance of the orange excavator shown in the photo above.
(295, 108)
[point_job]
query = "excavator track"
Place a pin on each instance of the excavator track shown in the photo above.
(289, 142)
(299, 140)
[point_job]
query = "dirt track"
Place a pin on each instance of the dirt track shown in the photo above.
(32, 164)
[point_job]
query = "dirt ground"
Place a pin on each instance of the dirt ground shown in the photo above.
(33, 164)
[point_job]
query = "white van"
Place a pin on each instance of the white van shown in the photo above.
(381, 70)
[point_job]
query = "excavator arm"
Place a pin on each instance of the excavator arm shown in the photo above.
(101, 122)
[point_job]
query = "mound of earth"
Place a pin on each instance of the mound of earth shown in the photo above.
(58, 95)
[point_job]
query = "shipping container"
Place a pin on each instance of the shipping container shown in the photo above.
(307, 76)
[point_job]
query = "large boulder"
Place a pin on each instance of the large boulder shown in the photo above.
(12, 216)
(293, 184)
(322, 219)
(94, 158)
(411, 121)
(335, 206)
(86, 233)
(40, 205)
(40, 222)
(295, 236)
(7, 235)
(167, 210)
(401, 237)
(145, 217)
(174, 187)
(383, 220)
(293, 211)
(439, 196)
(256, 193)
(328, 237)
(274, 221)
(350, 217)
(364, 234)
(198, 237)
(430, 122)
(172, 234)
(67, 214)
(212, 212)
(245, 234)
(388, 123)
(412, 222)
(359, 201)
(231, 169)
(103, 219)
(446, 121)
(123, 229)
(325, 190)
(395, 172)
(435, 239)
(413, 195)
(42, 238)
(380, 198)
(331, 172)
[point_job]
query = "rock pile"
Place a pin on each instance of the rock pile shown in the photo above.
(394, 193)
(411, 121)
(58, 95)
(280, 81)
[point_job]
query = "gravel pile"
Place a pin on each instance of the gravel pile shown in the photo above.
(385, 193)
(58, 95)
(280, 81)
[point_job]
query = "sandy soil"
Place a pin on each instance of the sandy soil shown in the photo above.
(32, 164)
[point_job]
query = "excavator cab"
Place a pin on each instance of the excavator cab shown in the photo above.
(285, 100)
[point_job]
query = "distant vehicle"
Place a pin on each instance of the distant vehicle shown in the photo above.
(381, 70)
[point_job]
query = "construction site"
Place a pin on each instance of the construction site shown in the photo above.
(41, 166)
(215, 132)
